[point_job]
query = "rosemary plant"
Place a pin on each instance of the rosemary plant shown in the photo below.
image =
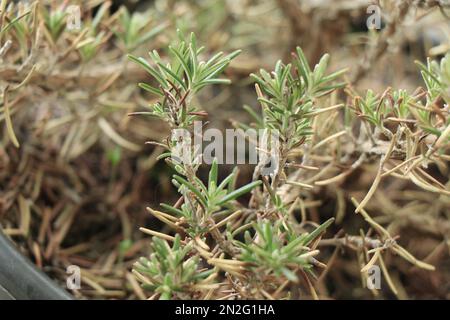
(345, 158)
(274, 247)
(134, 29)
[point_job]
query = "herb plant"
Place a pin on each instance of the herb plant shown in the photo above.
(359, 174)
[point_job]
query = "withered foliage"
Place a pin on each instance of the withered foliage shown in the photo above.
(363, 175)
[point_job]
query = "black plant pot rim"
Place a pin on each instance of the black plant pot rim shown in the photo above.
(22, 280)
